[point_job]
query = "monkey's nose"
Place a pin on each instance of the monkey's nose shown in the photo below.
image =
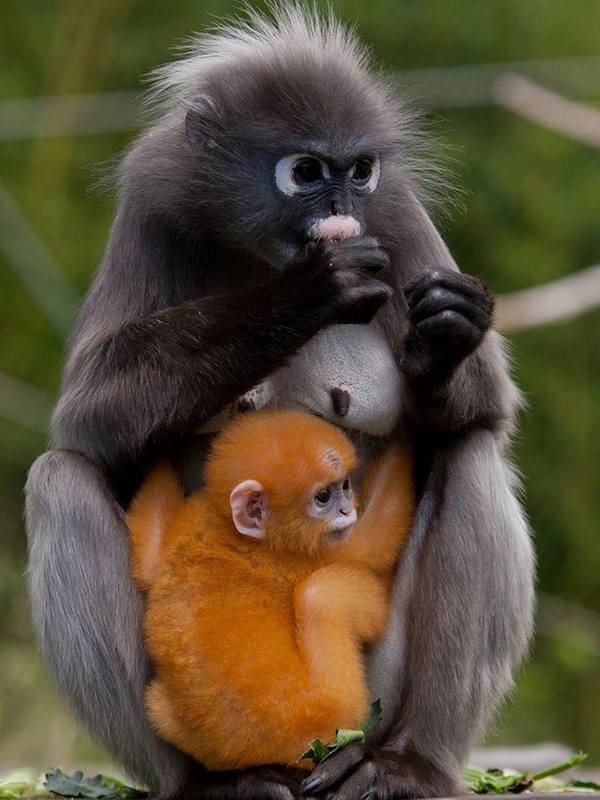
(340, 399)
(340, 207)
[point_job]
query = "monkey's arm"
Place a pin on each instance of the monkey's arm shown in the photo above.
(332, 623)
(148, 518)
(148, 362)
(389, 505)
(455, 368)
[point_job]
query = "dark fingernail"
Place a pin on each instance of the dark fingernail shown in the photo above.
(310, 785)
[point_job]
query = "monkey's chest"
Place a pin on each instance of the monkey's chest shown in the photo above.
(346, 374)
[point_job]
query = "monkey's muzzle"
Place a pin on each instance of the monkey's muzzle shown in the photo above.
(337, 226)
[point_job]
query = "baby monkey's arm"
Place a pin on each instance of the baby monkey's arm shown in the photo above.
(339, 608)
(150, 515)
(387, 513)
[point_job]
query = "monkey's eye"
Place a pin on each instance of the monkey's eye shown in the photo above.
(323, 497)
(346, 486)
(365, 173)
(298, 171)
(307, 170)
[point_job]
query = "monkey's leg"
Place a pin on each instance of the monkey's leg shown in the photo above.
(88, 618)
(461, 622)
(87, 613)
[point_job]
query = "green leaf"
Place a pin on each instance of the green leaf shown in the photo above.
(573, 761)
(318, 752)
(124, 790)
(76, 785)
(13, 789)
(497, 781)
(345, 736)
(98, 787)
(20, 783)
(585, 786)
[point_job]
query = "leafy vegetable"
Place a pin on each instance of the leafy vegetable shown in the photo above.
(318, 751)
(100, 787)
(21, 783)
(123, 790)
(497, 781)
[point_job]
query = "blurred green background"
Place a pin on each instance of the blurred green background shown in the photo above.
(528, 214)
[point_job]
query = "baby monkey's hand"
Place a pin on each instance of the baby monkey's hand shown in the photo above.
(339, 279)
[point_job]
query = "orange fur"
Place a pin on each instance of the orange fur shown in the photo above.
(257, 645)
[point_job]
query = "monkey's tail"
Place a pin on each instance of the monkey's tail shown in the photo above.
(151, 513)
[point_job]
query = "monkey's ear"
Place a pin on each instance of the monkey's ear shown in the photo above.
(201, 120)
(249, 509)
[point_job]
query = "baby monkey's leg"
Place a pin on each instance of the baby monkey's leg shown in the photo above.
(338, 609)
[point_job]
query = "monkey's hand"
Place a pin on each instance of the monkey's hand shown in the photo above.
(337, 281)
(360, 772)
(449, 312)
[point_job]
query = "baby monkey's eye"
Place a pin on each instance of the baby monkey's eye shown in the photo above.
(324, 496)
(346, 487)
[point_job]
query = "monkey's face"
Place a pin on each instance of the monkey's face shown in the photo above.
(313, 522)
(333, 506)
(291, 151)
(302, 525)
(326, 194)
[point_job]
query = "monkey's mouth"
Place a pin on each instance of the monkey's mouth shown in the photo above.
(339, 534)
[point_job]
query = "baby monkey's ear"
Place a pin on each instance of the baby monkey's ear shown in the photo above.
(249, 508)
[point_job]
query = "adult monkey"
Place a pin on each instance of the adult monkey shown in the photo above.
(272, 134)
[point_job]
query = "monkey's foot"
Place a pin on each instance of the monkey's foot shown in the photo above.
(359, 772)
(273, 782)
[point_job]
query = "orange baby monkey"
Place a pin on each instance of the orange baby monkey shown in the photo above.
(263, 588)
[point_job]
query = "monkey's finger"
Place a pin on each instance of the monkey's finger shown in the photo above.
(363, 252)
(451, 326)
(355, 242)
(439, 299)
(330, 772)
(373, 260)
(361, 303)
(361, 784)
(455, 281)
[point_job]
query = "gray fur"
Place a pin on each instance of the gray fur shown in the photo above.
(197, 220)
(87, 612)
(463, 596)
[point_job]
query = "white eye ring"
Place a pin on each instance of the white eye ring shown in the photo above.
(373, 181)
(284, 172)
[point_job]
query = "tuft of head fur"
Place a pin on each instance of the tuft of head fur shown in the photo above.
(291, 454)
(295, 64)
(252, 91)
(290, 31)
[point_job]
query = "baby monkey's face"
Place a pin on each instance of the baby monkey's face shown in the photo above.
(303, 523)
(334, 507)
